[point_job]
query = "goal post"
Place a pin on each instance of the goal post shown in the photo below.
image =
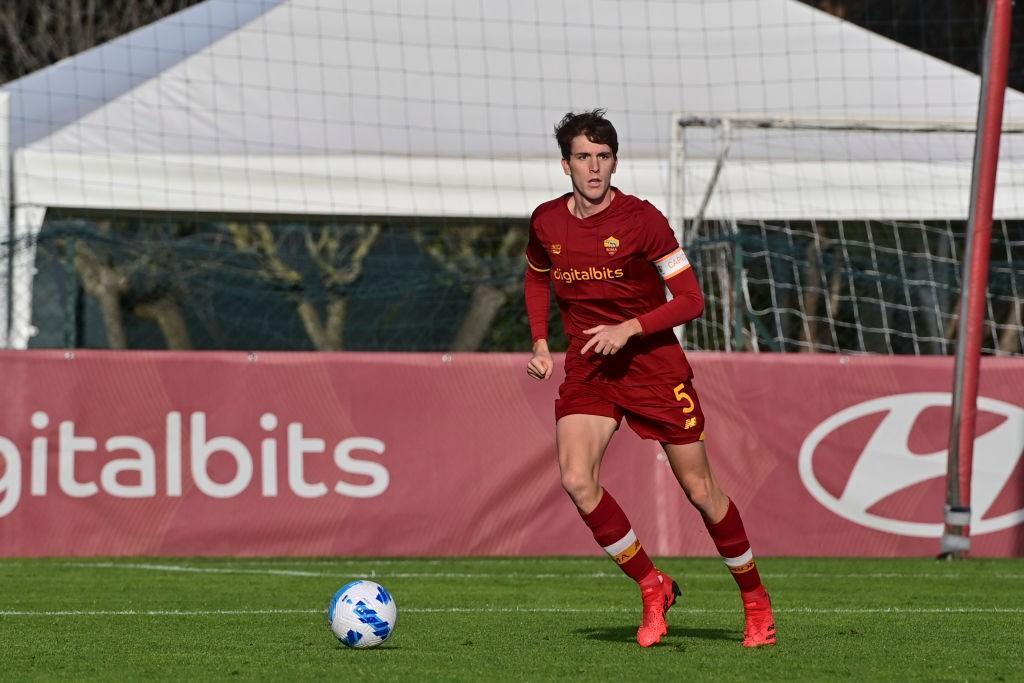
(836, 234)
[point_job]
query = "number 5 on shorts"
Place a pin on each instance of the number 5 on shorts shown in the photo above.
(683, 396)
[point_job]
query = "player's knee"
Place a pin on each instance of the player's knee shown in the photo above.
(581, 487)
(699, 491)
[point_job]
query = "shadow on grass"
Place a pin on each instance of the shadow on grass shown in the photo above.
(628, 633)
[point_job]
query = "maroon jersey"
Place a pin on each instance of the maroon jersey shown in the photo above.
(604, 273)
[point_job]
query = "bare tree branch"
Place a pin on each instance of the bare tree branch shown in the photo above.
(338, 253)
(167, 313)
(36, 34)
(489, 258)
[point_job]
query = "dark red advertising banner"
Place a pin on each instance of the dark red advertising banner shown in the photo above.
(163, 453)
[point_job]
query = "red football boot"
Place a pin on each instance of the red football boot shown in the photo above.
(760, 627)
(658, 592)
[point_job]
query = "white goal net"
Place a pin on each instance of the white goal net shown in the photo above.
(840, 235)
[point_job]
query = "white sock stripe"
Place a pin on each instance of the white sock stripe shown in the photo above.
(739, 561)
(621, 544)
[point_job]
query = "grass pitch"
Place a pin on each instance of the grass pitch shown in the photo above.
(506, 619)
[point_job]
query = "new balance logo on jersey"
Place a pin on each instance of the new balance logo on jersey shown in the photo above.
(556, 249)
(572, 275)
(690, 423)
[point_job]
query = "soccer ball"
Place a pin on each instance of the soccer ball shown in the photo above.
(362, 614)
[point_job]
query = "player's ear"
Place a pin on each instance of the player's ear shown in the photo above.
(565, 166)
(615, 163)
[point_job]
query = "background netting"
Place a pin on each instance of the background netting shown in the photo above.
(164, 282)
(305, 174)
(157, 282)
(888, 287)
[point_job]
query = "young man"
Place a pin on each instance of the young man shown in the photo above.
(611, 255)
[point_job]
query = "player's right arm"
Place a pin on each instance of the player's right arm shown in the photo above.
(537, 290)
(541, 365)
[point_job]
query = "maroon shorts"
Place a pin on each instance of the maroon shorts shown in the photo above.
(669, 413)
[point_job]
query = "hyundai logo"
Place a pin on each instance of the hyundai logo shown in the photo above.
(886, 465)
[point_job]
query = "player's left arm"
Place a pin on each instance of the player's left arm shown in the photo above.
(663, 250)
(687, 301)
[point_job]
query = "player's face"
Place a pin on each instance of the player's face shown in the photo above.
(590, 165)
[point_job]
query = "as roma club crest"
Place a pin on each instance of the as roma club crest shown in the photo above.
(611, 245)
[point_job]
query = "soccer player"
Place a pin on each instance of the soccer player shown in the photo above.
(611, 255)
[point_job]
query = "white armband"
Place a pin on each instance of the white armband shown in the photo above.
(672, 264)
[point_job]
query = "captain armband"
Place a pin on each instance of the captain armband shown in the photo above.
(672, 264)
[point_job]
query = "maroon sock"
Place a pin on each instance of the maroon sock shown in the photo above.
(613, 532)
(731, 540)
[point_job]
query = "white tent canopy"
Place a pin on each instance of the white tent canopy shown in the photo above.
(370, 107)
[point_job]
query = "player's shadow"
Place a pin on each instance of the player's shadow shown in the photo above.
(628, 634)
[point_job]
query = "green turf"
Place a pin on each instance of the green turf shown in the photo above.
(506, 619)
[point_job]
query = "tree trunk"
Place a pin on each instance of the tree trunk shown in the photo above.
(812, 296)
(1009, 338)
(110, 305)
(953, 324)
(835, 291)
(335, 327)
(106, 285)
(483, 308)
(168, 315)
(327, 334)
(311, 322)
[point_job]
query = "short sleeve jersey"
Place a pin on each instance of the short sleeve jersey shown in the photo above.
(604, 272)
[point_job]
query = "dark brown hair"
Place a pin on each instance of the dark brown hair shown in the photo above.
(593, 124)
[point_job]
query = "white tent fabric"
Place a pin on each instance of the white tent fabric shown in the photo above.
(382, 107)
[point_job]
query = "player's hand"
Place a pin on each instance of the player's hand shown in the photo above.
(541, 365)
(608, 339)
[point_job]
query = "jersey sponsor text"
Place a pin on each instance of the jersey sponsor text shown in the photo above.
(571, 275)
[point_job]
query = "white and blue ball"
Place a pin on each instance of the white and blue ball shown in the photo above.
(362, 614)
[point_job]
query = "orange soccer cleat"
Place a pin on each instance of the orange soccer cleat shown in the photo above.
(760, 627)
(658, 592)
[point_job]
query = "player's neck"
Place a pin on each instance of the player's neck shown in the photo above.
(581, 207)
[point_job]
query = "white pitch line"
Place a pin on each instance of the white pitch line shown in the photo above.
(152, 612)
(520, 575)
(883, 575)
(509, 610)
(369, 574)
(198, 570)
(777, 610)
